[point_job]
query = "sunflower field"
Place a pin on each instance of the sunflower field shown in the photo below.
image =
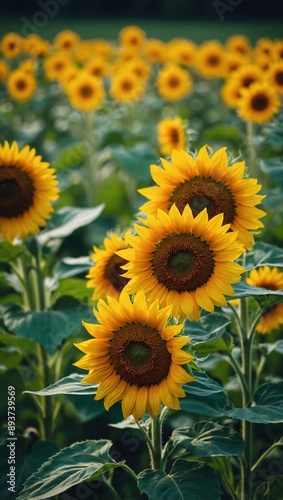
(141, 267)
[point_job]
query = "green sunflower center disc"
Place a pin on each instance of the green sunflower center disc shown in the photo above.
(205, 192)
(16, 192)
(182, 262)
(114, 273)
(139, 354)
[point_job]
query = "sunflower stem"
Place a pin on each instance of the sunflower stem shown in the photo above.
(156, 439)
(90, 164)
(252, 157)
(110, 488)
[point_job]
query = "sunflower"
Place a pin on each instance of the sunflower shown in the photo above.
(12, 45)
(98, 66)
(275, 75)
(258, 103)
(86, 92)
(277, 51)
(126, 86)
(230, 93)
(66, 40)
(135, 357)
(183, 260)
(207, 182)
(28, 65)
(132, 36)
(102, 48)
(182, 51)
(171, 135)
(173, 82)
(140, 67)
(272, 279)
(233, 61)
(55, 64)
(27, 188)
(239, 44)
(210, 59)
(21, 85)
(106, 276)
(264, 46)
(4, 70)
(246, 75)
(155, 50)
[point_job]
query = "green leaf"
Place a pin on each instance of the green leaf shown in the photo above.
(209, 439)
(75, 287)
(9, 252)
(72, 385)
(27, 463)
(204, 396)
(273, 167)
(69, 267)
(208, 335)
(268, 348)
(268, 407)
(186, 480)
(274, 487)
(49, 327)
(10, 357)
(135, 161)
(244, 290)
(70, 466)
(66, 220)
(264, 254)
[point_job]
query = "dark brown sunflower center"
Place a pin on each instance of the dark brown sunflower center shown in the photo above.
(182, 262)
(114, 272)
(279, 77)
(259, 102)
(268, 310)
(139, 354)
(16, 192)
(21, 84)
(174, 135)
(213, 60)
(247, 81)
(205, 192)
(127, 85)
(173, 82)
(86, 91)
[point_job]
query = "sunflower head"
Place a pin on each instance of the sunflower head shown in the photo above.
(4, 70)
(126, 86)
(86, 92)
(171, 134)
(135, 357)
(106, 276)
(258, 103)
(173, 82)
(207, 181)
(132, 36)
(210, 59)
(21, 85)
(275, 75)
(272, 279)
(66, 41)
(183, 260)
(155, 50)
(182, 51)
(55, 63)
(12, 45)
(239, 44)
(27, 188)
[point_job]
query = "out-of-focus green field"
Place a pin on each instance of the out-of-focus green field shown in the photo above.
(164, 29)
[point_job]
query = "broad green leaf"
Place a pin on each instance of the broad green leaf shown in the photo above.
(222, 132)
(273, 167)
(72, 385)
(28, 461)
(10, 357)
(209, 335)
(204, 396)
(66, 220)
(22, 343)
(9, 252)
(75, 287)
(268, 406)
(70, 466)
(186, 480)
(49, 327)
(69, 267)
(135, 161)
(209, 439)
(264, 254)
(244, 290)
(268, 348)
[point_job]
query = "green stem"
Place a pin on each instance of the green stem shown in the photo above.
(156, 439)
(90, 164)
(47, 401)
(260, 367)
(252, 158)
(238, 371)
(110, 488)
(264, 455)
(130, 471)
